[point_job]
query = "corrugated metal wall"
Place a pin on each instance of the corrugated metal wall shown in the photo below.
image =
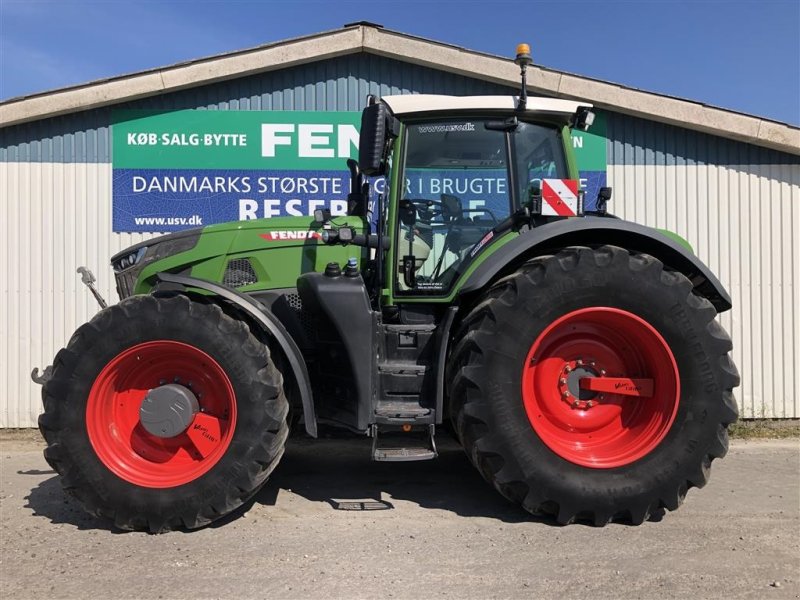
(739, 206)
(55, 190)
(56, 216)
(55, 187)
(337, 84)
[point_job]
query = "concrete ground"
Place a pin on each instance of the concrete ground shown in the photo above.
(442, 533)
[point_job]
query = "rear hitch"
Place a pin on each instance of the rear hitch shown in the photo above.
(88, 279)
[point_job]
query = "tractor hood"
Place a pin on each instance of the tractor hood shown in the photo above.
(258, 254)
(168, 245)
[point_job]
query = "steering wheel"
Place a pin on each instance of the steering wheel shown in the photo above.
(424, 208)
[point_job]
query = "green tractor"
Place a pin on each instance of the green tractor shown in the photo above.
(576, 355)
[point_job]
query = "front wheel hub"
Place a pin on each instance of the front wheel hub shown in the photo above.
(168, 410)
(156, 434)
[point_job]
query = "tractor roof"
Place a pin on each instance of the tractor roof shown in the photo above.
(433, 103)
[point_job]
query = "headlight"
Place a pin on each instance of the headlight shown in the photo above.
(129, 260)
(134, 259)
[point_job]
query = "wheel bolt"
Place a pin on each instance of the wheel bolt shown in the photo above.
(602, 372)
(589, 404)
(565, 394)
(576, 404)
(562, 381)
(579, 362)
(567, 369)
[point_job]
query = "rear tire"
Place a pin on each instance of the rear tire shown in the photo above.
(112, 464)
(608, 460)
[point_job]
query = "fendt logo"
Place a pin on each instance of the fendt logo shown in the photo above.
(283, 235)
(313, 140)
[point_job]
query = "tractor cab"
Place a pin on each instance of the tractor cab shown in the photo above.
(462, 172)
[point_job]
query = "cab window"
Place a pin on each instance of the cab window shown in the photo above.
(457, 188)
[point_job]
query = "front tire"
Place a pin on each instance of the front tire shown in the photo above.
(521, 360)
(142, 474)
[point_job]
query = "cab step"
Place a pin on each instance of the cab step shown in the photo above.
(405, 446)
(401, 410)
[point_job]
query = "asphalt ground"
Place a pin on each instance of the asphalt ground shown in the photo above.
(332, 524)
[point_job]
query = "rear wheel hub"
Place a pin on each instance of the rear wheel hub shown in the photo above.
(569, 384)
(600, 387)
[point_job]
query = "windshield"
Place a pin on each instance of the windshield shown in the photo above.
(458, 186)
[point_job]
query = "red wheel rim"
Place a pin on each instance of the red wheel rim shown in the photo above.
(126, 447)
(600, 348)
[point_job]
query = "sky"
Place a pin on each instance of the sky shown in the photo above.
(741, 55)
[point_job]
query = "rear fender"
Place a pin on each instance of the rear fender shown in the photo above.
(268, 323)
(595, 231)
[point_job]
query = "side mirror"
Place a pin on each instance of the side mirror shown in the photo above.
(378, 129)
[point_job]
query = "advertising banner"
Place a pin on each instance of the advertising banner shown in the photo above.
(590, 152)
(191, 168)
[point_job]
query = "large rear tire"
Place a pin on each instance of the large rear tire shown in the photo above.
(525, 360)
(140, 473)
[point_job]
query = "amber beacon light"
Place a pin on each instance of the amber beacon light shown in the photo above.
(523, 55)
(523, 59)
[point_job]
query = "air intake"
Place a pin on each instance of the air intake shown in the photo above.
(239, 272)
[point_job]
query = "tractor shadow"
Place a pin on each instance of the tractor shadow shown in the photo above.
(338, 470)
(48, 500)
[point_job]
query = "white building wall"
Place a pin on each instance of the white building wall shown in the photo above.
(743, 221)
(55, 217)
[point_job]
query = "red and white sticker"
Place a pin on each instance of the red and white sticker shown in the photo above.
(485, 240)
(291, 234)
(560, 197)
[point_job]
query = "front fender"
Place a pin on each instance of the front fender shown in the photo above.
(593, 231)
(270, 324)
